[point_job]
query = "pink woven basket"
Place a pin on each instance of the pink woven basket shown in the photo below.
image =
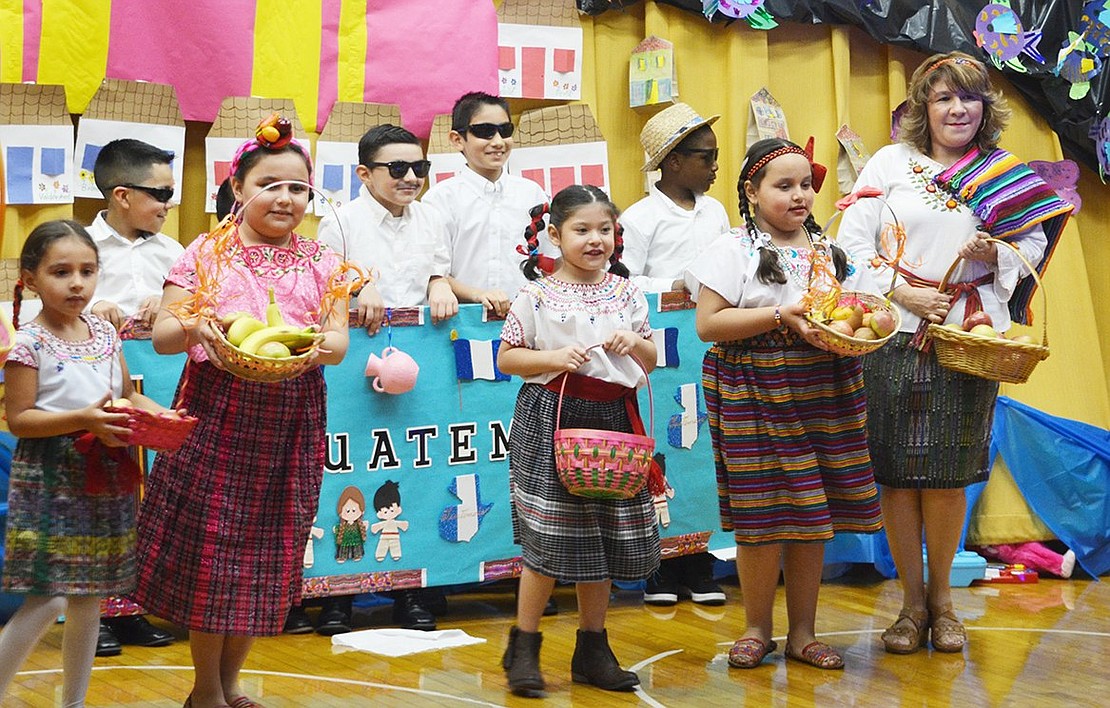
(164, 432)
(603, 464)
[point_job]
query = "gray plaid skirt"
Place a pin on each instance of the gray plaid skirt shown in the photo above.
(564, 536)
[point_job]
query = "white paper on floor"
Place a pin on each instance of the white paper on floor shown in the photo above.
(399, 642)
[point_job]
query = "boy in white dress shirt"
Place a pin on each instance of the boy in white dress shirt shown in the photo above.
(663, 233)
(137, 180)
(485, 208)
(387, 231)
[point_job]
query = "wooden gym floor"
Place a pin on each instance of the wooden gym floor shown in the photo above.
(1043, 644)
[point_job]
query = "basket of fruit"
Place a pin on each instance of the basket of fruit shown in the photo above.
(267, 351)
(164, 432)
(859, 324)
(975, 347)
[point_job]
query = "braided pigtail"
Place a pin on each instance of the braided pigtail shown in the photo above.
(616, 266)
(769, 270)
(531, 266)
(17, 302)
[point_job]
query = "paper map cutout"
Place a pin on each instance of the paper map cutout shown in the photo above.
(460, 523)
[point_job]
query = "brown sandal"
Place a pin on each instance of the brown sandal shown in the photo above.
(948, 633)
(908, 633)
(816, 654)
(749, 652)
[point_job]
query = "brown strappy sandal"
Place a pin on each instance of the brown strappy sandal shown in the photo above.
(948, 633)
(908, 633)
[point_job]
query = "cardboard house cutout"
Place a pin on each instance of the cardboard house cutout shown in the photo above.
(36, 140)
(766, 119)
(539, 49)
(447, 160)
(235, 123)
(851, 158)
(561, 146)
(128, 109)
(337, 150)
(652, 82)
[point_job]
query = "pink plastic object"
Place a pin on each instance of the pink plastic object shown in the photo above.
(394, 372)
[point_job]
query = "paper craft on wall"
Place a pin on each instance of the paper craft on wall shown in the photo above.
(236, 121)
(1077, 63)
(652, 81)
(460, 523)
(1062, 176)
(337, 149)
(128, 109)
(447, 161)
(539, 50)
(561, 146)
(851, 158)
(666, 346)
(766, 118)
(476, 358)
(998, 30)
(36, 144)
(1100, 133)
(751, 11)
(683, 428)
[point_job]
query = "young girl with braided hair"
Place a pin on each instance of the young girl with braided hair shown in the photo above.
(580, 323)
(787, 419)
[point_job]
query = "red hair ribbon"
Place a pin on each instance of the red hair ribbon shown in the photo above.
(819, 170)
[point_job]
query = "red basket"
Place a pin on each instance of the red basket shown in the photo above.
(164, 432)
(603, 464)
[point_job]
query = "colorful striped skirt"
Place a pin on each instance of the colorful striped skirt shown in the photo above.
(62, 540)
(225, 518)
(561, 535)
(788, 426)
(929, 427)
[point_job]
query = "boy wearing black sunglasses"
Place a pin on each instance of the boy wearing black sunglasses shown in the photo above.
(387, 231)
(484, 207)
(137, 180)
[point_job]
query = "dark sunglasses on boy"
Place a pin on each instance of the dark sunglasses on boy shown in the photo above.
(708, 154)
(158, 194)
(399, 168)
(485, 131)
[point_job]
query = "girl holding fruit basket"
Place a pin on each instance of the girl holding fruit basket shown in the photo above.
(928, 426)
(224, 519)
(787, 418)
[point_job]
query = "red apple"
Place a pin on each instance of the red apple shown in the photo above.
(977, 318)
(882, 322)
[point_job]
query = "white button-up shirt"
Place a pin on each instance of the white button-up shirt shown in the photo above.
(131, 271)
(485, 223)
(661, 239)
(403, 252)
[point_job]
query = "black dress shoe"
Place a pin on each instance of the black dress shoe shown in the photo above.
(135, 630)
(106, 642)
(335, 616)
(297, 621)
(408, 613)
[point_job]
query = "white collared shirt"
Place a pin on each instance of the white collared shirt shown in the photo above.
(661, 239)
(403, 252)
(131, 271)
(485, 223)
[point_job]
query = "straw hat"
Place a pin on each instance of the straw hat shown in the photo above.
(666, 129)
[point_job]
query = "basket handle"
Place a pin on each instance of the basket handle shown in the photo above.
(1032, 271)
(647, 377)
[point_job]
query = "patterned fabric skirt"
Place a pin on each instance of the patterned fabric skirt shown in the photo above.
(225, 518)
(929, 427)
(564, 536)
(60, 539)
(788, 424)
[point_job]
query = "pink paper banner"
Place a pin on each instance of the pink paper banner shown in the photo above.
(32, 37)
(329, 61)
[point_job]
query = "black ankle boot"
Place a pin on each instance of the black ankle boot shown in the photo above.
(594, 663)
(522, 663)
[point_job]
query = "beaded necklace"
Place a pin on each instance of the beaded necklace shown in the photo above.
(794, 266)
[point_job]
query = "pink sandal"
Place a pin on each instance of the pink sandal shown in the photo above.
(749, 652)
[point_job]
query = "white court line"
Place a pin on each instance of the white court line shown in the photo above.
(640, 692)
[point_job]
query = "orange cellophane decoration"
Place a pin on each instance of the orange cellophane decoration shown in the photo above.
(824, 290)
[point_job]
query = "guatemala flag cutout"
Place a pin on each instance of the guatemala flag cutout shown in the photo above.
(666, 346)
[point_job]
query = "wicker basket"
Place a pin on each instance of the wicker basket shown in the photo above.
(994, 358)
(603, 464)
(842, 344)
(158, 431)
(262, 368)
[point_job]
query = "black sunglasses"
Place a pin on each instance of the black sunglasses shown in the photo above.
(399, 168)
(158, 194)
(485, 131)
(707, 154)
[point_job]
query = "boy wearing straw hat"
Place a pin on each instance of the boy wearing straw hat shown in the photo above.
(663, 233)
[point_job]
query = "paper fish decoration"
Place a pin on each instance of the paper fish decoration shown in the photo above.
(998, 30)
(1100, 133)
(1062, 176)
(751, 11)
(1094, 26)
(1078, 63)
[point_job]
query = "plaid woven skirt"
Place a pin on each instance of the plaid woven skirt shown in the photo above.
(563, 536)
(788, 426)
(60, 539)
(225, 518)
(929, 427)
